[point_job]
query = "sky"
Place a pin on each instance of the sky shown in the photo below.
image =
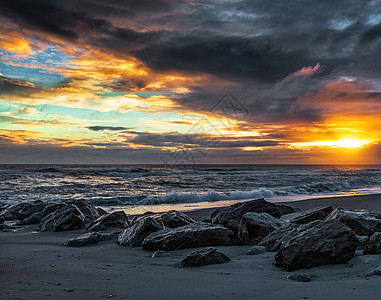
(184, 82)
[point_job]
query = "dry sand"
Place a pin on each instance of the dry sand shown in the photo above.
(37, 266)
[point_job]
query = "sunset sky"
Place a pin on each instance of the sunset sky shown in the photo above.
(176, 81)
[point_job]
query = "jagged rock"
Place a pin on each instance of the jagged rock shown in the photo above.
(363, 242)
(21, 211)
(230, 216)
(101, 211)
(362, 222)
(319, 213)
(135, 234)
(254, 226)
(68, 217)
(286, 210)
(89, 210)
(33, 219)
(89, 238)
(281, 236)
(301, 277)
(116, 219)
(374, 244)
(171, 219)
(203, 257)
(255, 250)
(190, 236)
(52, 208)
(327, 242)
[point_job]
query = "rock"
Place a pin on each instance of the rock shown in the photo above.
(190, 236)
(286, 210)
(327, 242)
(89, 211)
(374, 244)
(230, 216)
(277, 238)
(116, 219)
(363, 242)
(101, 211)
(171, 219)
(135, 234)
(33, 219)
(52, 208)
(319, 213)
(88, 239)
(375, 272)
(362, 222)
(255, 226)
(161, 253)
(29, 209)
(203, 257)
(300, 277)
(255, 250)
(68, 217)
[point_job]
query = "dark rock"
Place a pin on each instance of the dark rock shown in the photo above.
(89, 210)
(89, 238)
(277, 238)
(285, 209)
(33, 219)
(116, 219)
(68, 217)
(300, 277)
(204, 257)
(230, 216)
(362, 222)
(327, 242)
(319, 213)
(255, 226)
(376, 272)
(363, 242)
(29, 209)
(135, 234)
(255, 250)
(190, 236)
(171, 219)
(374, 244)
(161, 253)
(52, 208)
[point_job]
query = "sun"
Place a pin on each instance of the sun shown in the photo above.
(345, 143)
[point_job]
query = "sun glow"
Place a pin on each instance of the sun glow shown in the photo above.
(345, 143)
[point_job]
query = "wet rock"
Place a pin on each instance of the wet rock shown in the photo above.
(190, 236)
(203, 257)
(50, 208)
(89, 238)
(255, 250)
(89, 210)
(21, 211)
(327, 242)
(363, 242)
(255, 226)
(135, 234)
(230, 217)
(171, 219)
(301, 277)
(101, 211)
(114, 220)
(319, 213)
(362, 222)
(374, 244)
(69, 217)
(33, 219)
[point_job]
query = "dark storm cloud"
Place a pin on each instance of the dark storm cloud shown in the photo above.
(101, 128)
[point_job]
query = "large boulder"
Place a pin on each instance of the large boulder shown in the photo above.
(374, 244)
(204, 257)
(190, 236)
(281, 236)
(318, 213)
(171, 219)
(114, 220)
(328, 242)
(255, 226)
(88, 239)
(230, 216)
(89, 210)
(21, 211)
(134, 235)
(362, 222)
(50, 208)
(66, 218)
(33, 219)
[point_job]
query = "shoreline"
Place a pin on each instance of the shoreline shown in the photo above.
(36, 265)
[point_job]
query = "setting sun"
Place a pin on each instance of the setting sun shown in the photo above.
(346, 143)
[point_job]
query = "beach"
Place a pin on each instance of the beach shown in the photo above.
(36, 265)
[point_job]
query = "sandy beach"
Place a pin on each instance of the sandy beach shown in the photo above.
(36, 265)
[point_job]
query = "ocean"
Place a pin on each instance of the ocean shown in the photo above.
(141, 188)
